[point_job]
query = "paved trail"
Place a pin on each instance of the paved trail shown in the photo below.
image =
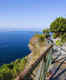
(59, 67)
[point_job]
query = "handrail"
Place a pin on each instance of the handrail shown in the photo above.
(27, 72)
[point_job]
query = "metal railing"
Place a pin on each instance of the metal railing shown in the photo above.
(37, 70)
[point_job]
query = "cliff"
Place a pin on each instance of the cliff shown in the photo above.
(37, 48)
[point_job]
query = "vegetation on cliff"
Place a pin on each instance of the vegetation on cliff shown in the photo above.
(10, 71)
(58, 27)
(46, 33)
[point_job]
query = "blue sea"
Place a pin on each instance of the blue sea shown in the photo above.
(14, 45)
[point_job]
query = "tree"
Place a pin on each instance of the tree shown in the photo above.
(54, 35)
(42, 37)
(46, 32)
(63, 37)
(58, 25)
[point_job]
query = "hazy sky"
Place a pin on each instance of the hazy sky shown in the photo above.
(30, 14)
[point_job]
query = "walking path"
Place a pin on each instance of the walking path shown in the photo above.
(59, 66)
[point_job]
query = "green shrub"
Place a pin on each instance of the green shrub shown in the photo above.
(5, 73)
(42, 37)
(63, 37)
(10, 71)
(54, 35)
(58, 43)
(46, 30)
(47, 35)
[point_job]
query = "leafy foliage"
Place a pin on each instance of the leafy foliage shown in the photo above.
(42, 37)
(63, 37)
(54, 35)
(58, 25)
(46, 33)
(10, 71)
(58, 43)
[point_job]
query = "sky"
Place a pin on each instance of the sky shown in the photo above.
(30, 14)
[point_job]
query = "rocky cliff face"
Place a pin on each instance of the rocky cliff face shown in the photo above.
(37, 48)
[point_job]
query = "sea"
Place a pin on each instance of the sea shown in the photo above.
(14, 45)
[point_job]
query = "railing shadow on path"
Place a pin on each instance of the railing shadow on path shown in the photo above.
(63, 71)
(56, 58)
(60, 53)
(57, 69)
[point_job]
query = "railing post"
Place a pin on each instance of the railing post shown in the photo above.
(46, 61)
(43, 62)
